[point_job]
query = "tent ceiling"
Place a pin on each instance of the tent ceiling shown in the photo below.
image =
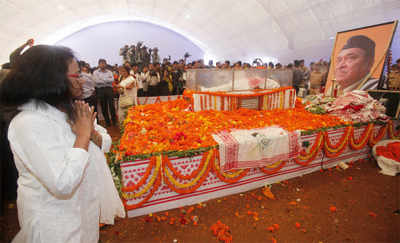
(222, 28)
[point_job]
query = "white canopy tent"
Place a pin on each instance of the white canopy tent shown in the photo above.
(224, 29)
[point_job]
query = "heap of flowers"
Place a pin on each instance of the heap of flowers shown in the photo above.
(390, 151)
(171, 126)
(318, 104)
(355, 106)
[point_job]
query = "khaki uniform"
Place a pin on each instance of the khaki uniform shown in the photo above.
(316, 79)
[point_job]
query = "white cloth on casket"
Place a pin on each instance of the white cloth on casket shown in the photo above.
(272, 84)
(259, 147)
(62, 191)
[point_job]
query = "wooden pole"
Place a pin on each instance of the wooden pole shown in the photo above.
(332, 65)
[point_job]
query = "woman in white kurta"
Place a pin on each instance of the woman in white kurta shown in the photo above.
(64, 187)
(127, 86)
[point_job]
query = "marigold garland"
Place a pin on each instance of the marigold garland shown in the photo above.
(276, 167)
(339, 146)
(336, 153)
(150, 184)
(179, 175)
(206, 165)
(230, 174)
(381, 133)
(190, 187)
(314, 150)
(364, 137)
(150, 195)
(333, 151)
(230, 177)
(393, 134)
(142, 180)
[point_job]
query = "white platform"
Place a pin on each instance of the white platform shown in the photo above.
(164, 198)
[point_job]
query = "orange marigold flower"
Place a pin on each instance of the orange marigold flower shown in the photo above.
(170, 126)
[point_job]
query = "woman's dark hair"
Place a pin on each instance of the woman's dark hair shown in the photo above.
(40, 74)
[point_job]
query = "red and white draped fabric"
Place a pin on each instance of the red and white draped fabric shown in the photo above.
(358, 106)
(239, 149)
(282, 98)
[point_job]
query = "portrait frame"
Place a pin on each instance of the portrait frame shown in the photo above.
(381, 34)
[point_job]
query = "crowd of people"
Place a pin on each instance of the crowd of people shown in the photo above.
(105, 83)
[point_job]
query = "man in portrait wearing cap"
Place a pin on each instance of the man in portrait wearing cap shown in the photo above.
(354, 62)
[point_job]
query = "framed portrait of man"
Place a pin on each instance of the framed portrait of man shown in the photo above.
(358, 58)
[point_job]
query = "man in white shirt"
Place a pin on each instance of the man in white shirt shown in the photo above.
(143, 82)
(88, 87)
(104, 92)
(134, 72)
